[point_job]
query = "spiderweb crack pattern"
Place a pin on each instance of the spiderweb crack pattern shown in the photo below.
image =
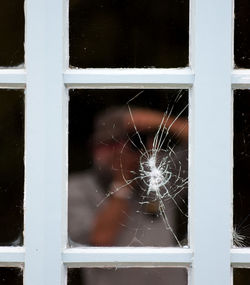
(160, 174)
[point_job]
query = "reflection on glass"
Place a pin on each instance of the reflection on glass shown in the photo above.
(128, 167)
(241, 276)
(12, 33)
(125, 276)
(11, 276)
(241, 170)
(11, 166)
(129, 33)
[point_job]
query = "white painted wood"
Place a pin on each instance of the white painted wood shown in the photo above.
(12, 78)
(241, 78)
(11, 256)
(240, 257)
(130, 256)
(129, 77)
(211, 143)
(45, 138)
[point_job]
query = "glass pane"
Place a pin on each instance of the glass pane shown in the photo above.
(11, 166)
(128, 180)
(129, 33)
(125, 276)
(241, 170)
(12, 33)
(241, 34)
(241, 276)
(11, 276)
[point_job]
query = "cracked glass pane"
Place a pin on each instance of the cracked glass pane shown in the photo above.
(12, 33)
(129, 33)
(241, 276)
(128, 166)
(125, 276)
(11, 276)
(11, 166)
(241, 171)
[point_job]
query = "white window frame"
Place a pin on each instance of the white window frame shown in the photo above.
(211, 79)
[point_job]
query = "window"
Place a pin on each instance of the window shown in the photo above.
(47, 78)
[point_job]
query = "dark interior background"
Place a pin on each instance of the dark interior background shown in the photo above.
(159, 274)
(241, 34)
(11, 276)
(241, 171)
(129, 33)
(11, 33)
(241, 276)
(11, 166)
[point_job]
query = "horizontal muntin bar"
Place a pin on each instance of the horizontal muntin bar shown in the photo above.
(12, 78)
(240, 257)
(129, 78)
(11, 256)
(113, 78)
(241, 78)
(124, 257)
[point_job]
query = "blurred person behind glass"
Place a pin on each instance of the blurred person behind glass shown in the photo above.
(104, 202)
